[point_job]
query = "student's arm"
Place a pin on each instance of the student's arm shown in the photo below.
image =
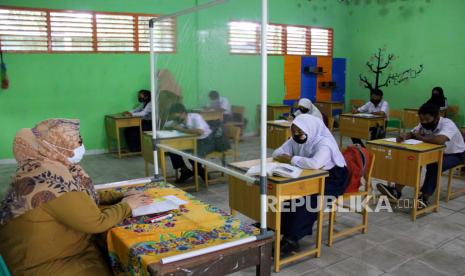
(197, 127)
(284, 150)
(317, 161)
(445, 134)
(146, 110)
(363, 108)
(188, 130)
(78, 211)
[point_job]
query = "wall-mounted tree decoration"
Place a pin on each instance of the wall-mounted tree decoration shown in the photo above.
(378, 64)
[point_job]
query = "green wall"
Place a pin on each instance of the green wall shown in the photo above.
(429, 32)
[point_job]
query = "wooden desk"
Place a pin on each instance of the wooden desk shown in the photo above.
(113, 124)
(127, 243)
(277, 133)
(402, 164)
(244, 198)
(210, 115)
(182, 142)
(327, 107)
(355, 126)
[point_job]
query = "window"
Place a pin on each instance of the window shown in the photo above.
(244, 38)
(37, 30)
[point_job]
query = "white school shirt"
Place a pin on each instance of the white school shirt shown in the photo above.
(141, 111)
(447, 128)
(195, 121)
(369, 107)
(222, 103)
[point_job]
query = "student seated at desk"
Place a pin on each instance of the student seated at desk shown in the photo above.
(143, 110)
(195, 124)
(218, 103)
(305, 106)
(438, 99)
(435, 130)
(312, 146)
(51, 210)
(376, 106)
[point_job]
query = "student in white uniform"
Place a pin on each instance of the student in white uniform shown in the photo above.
(435, 130)
(305, 106)
(195, 124)
(143, 110)
(376, 106)
(221, 104)
(312, 146)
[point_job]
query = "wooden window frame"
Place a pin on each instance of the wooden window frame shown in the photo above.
(284, 39)
(94, 31)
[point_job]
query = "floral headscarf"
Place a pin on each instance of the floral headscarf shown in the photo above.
(44, 172)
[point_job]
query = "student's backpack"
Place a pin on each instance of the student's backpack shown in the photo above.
(357, 159)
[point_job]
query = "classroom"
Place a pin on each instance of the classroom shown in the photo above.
(232, 137)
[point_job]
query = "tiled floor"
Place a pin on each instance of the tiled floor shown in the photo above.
(394, 245)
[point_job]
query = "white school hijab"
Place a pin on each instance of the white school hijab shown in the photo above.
(312, 110)
(318, 135)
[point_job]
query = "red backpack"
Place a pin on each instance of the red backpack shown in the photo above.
(357, 159)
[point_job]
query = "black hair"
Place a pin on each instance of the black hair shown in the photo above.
(439, 99)
(178, 108)
(439, 89)
(214, 94)
(146, 93)
(377, 92)
(430, 109)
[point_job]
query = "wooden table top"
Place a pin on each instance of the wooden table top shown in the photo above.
(423, 147)
(306, 174)
(374, 117)
(285, 124)
(120, 116)
(329, 102)
(177, 135)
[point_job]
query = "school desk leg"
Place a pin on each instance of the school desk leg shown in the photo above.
(146, 169)
(415, 195)
(196, 176)
(163, 164)
(118, 143)
(438, 183)
(277, 241)
(319, 228)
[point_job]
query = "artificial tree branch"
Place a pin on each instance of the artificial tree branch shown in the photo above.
(367, 83)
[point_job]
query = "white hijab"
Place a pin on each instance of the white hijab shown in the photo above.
(318, 135)
(312, 109)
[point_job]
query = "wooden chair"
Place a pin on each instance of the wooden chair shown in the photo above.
(364, 213)
(450, 194)
(356, 103)
(234, 134)
(453, 113)
(395, 116)
(238, 117)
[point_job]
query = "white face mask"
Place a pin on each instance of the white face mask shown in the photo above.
(78, 154)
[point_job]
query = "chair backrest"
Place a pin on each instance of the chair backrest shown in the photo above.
(238, 113)
(233, 132)
(396, 114)
(453, 112)
(356, 103)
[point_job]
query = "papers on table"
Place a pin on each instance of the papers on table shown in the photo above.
(160, 205)
(280, 121)
(365, 115)
(168, 133)
(277, 169)
(406, 142)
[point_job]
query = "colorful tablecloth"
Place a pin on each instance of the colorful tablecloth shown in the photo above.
(134, 244)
